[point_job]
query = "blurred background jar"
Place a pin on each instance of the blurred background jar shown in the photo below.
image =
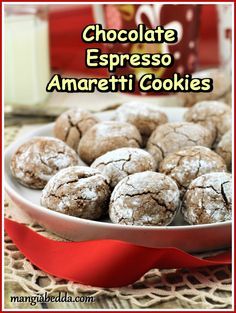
(27, 69)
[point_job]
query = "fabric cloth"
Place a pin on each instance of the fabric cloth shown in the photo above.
(83, 262)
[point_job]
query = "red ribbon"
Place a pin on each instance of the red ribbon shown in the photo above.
(103, 263)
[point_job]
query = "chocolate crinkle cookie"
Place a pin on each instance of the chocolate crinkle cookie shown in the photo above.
(71, 125)
(145, 199)
(224, 149)
(186, 165)
(38, 159)
(122, 162)
(107, 136)
(214, 115)
(145, 117)
(222, 83)
(77, 191)
(172, 137)
(208, 199)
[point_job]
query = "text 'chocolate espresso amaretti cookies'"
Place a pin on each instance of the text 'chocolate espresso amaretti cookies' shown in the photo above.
(144, 199)
(172, 137)
(71, 125)
(38, 159)
(78, 191)
(107, 136)
(208, 199)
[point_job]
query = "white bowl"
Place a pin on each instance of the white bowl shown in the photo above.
(186, 237)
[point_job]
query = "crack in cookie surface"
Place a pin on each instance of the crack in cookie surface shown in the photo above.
(207, 200)
(78, 191)
(36, 160)
(146, 198)
(185, 165)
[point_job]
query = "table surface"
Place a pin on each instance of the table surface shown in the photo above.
(207, 288)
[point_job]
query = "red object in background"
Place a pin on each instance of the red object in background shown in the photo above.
(101, 263)
(186, 18)
(208, 39)
(68, 50)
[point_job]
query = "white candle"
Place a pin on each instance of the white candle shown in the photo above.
(26, 59)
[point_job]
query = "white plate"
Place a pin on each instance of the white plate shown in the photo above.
(186, 237)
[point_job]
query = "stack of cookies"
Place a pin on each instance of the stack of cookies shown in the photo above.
(139, 168)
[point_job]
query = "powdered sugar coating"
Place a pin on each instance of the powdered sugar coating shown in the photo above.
(77, 191)
(107, 136)
(214, 115)
(146, 198)
(224, 149)
(122, 162)
(71, 125)
(144, 116)
(172, 137)
(185, 165)
(208, 199)
(38, 159)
